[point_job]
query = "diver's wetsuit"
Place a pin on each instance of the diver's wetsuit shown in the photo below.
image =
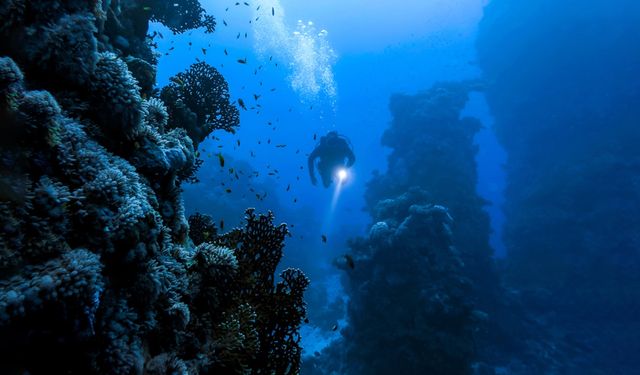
(332, 152)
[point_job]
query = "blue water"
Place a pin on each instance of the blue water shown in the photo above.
(367, 67)
(332, 65)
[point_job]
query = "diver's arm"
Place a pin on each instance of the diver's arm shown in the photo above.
(311, 161)
(351, 157)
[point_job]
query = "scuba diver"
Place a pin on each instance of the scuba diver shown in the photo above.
(332, 151)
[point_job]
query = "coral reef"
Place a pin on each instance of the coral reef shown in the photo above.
(415, 299)
(97, 270)
(564, 95)
(410, 309)
(432, 148)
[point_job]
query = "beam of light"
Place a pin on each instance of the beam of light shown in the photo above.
(341, 175)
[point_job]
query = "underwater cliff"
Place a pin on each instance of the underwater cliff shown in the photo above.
(100, 270)
(562, 83)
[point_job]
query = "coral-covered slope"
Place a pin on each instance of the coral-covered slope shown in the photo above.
(97, 270)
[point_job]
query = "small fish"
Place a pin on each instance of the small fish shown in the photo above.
(349, 259)
(242, 61)
(324, 239)
(241, 104)
(334, 328)
(273, 11)
(221, 160)
(177, 80)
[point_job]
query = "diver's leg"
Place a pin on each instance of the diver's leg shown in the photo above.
(325, 174)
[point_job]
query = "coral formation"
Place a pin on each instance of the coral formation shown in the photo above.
(198, 101)
(97, 271)
(410, 309)
(414, 297)
(181, 16)
(432, 148)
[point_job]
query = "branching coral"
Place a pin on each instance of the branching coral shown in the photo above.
(198, 101)
(279, 308)
(202, 228)
(182, 15)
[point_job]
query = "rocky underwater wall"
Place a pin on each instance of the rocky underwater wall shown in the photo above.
(100, 271)
(562, 84)
(416, 282)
